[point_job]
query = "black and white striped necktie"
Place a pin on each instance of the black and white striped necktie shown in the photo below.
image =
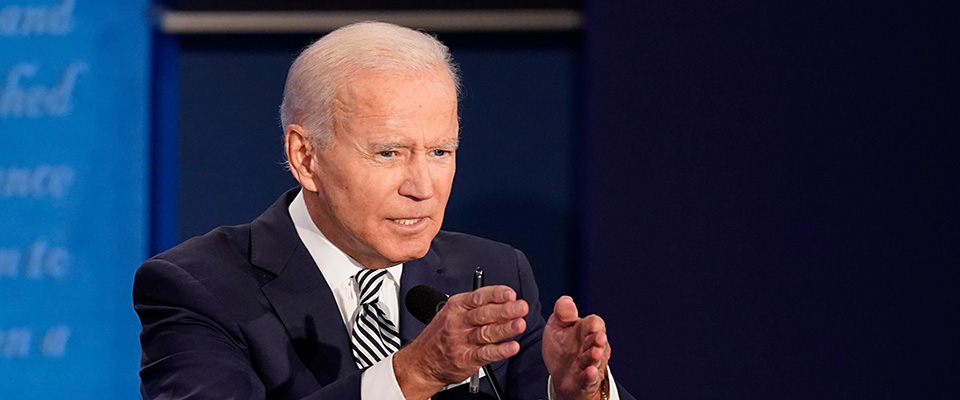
(374, 336)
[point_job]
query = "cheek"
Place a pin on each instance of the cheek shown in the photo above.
(443, 179)
(343, 193)
(373, 193)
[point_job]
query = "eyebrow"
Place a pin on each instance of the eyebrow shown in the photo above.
(453, 144)
(385, 146)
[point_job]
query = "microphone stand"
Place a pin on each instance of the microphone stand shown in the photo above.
(494, 385)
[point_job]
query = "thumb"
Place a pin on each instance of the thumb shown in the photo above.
(564, 311)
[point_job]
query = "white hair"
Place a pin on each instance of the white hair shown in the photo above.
(328, 63)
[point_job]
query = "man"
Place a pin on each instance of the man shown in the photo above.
(304, 302)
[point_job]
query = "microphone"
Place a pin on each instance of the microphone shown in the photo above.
(424, 302)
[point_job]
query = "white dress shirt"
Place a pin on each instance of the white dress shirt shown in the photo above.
(379, 381)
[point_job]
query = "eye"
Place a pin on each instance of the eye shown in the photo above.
(440, 152)
(388, 153)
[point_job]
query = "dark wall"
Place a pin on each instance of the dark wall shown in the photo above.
(770, 186)
(231, 144)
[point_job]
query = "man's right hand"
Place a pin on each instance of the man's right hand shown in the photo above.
(463, 337)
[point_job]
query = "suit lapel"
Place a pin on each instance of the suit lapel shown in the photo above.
(425, 271)
(428, 270)
(299, 294)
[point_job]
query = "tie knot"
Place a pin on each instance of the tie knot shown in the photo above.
(369, 282)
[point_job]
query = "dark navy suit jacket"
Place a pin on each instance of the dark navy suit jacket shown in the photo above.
(243, 312)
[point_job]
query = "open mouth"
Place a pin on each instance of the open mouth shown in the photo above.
(408, 221)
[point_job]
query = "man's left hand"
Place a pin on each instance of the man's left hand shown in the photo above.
(575, 351)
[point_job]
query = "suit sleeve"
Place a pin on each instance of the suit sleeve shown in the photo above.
(192, 349)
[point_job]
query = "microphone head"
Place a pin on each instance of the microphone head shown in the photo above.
(424, 302)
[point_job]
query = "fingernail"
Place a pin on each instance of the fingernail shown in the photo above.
(517, 307)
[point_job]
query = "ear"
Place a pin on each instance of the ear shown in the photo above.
(300, 155)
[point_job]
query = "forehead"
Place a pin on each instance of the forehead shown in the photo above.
(382, 104)
(387, 92)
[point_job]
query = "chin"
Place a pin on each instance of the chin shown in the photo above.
(409, 253)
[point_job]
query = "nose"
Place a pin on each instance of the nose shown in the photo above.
(418, 182)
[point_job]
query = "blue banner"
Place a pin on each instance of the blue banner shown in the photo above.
(73, 195)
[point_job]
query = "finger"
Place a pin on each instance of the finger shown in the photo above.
(596, 360)
(591, 374)
(486, 295)
(496, 352)
(497, 332)
(592, 377)
(606, 356)
(564, 311)
(592, 324)
(598, 340)
(588, 379)
(496, 313)
(591, 357)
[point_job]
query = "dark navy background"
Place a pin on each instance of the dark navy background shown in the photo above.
(771, 210)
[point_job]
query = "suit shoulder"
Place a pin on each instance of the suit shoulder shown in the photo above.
(458, 239)
(461, 245)
(223, 247)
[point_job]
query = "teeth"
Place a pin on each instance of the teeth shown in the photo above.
(406, 221)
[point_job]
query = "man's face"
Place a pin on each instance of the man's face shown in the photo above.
(384, 180)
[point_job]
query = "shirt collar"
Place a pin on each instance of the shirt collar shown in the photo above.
(335, 265)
